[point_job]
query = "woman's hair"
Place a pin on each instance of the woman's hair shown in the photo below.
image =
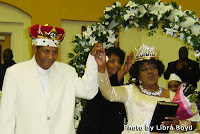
(134, 71)
(117, 51)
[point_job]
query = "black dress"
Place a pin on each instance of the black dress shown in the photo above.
(101, 116)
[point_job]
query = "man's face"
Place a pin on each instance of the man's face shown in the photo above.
(7, 57)
(183, 53)
(45, 56)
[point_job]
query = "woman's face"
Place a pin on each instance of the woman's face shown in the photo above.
(148, 74)
(113, 64)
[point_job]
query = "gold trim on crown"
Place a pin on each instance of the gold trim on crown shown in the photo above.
(145, 53)
(53, 35)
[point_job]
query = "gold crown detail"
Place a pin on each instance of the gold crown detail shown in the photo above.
(53, 35)
(145, 52)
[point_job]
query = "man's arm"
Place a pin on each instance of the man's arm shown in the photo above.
(87, 86)
(171, 68)
(191, 72)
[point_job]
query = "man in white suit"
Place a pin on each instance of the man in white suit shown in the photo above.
(39, 95)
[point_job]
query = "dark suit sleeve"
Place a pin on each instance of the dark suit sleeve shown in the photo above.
(171, 68)
(190, 73)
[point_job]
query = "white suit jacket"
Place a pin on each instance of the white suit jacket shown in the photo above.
(26, 110)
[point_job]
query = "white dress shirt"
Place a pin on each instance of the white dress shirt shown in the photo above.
(44, 78)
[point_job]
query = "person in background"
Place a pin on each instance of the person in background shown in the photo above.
(39, 95)
(8, 62)
(187, 69)
(174, 82)
(101, 116)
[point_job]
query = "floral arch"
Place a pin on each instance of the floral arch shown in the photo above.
(143, 15)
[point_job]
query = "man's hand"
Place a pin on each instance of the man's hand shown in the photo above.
(100, 56)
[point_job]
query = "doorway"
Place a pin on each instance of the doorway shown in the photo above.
(5, 42)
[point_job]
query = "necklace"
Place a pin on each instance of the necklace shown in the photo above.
(145, 91)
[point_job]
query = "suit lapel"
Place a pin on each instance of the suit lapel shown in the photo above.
(36, 80)
(54, 88)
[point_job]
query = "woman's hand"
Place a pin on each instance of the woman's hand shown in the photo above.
(172, 121)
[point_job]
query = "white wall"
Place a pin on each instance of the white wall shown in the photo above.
(16, 22)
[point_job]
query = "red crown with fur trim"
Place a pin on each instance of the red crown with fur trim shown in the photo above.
(46, 35)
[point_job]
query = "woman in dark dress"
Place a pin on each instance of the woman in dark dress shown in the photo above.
(101, 116)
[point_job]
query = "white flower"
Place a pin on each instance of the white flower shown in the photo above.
(159, 16)
(99, 34)
(175, 13)
(142, 10)
(111, 38)
(170, 31)
(86, 49)
(118, 4)
(104, 32)
(83, 43)
(189, 22)
(191, 43)
(132, 12)
(94, 28)
(146, 5)
(126, 29)
(107, 23)
(76, 44)
(76, 123)
(195, 29)
(113, 6)
(154, 12)
(126, 17)
(108, 9)
(79, 66)
(176, 19)
(131, 4)
(197, 54)
(104, 45)
(180, 7)
(171, 24)
(150, 25)
(181, 37)
(87, 33)
(136, 24)
(108, 46)
(92, 40)
(110, 32)
(165, 9)
(186, 30)
(176, 26)
(189, 39)
(160, 8)
(79, 35)
(79, 107)
(107, 16)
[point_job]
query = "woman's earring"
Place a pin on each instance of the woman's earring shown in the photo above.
(140, 82)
